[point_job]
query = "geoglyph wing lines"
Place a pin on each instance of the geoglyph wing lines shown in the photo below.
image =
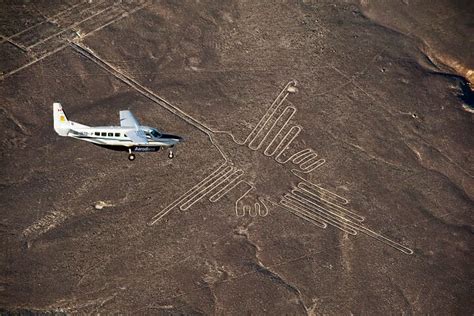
(272, 136)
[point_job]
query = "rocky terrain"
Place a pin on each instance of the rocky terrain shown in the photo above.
(327, 166)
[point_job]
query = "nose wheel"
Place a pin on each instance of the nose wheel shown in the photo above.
(170, 155)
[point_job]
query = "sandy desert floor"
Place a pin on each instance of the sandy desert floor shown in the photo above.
(327, 166)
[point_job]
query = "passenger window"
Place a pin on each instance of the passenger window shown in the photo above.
(104, 134)
(97, 134)
(117, 134)
(110, 134)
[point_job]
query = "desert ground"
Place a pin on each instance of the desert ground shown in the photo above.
(327, 166)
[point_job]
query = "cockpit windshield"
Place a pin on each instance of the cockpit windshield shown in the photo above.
(155, 133)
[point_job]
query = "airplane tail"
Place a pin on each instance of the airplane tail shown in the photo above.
(61, 123)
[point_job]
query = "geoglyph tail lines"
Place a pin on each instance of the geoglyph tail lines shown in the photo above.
(295, 210)
(322, 192)
(335, 216)
(304, 203)
(386, 240)
(321, 213)
(307, 200)
(316, 194)
(333, 208)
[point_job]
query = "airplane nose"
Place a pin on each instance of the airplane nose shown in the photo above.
(172, 138)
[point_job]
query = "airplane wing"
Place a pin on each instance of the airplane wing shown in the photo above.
(128, 120)
(138, 137)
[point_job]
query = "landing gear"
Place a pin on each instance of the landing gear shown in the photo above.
(131, 156)
(170, 155)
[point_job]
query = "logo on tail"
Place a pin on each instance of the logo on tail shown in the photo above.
(61, 123)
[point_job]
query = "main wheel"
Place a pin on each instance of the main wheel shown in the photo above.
(131, 157)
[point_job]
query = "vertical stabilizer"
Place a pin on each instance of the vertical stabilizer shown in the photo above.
(61, 123)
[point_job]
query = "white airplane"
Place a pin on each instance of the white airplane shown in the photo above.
(129, 136)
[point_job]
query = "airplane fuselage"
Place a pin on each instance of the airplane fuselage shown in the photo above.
(129, 136)
(117, 136)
